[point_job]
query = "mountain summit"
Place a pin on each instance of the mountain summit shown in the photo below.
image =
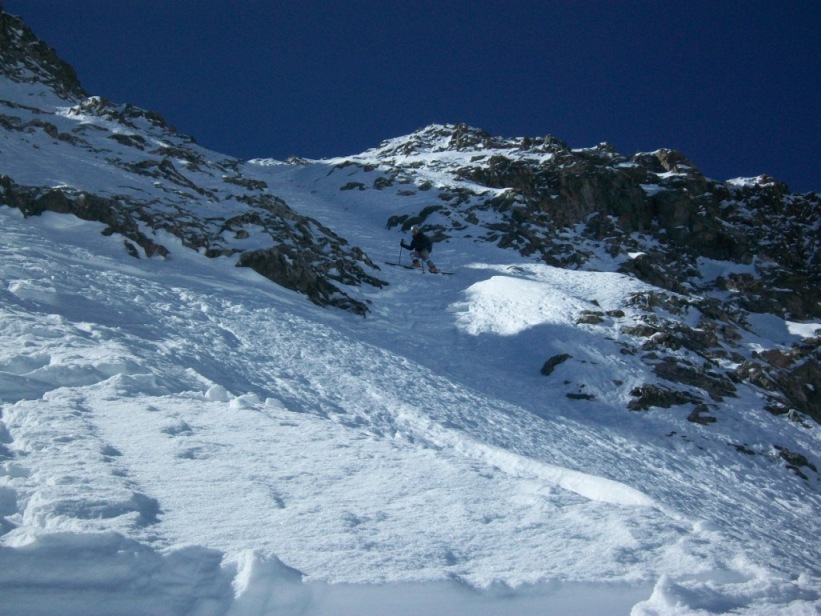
(612, 404)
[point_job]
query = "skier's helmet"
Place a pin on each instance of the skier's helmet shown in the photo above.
(414, 229)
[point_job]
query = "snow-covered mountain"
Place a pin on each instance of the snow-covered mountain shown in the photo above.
(610, 407)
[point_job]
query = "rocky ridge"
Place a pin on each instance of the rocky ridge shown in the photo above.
(719, 253)
(27, 59)
(156, 180)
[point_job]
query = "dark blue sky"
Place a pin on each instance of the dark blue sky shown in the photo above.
(734, 85)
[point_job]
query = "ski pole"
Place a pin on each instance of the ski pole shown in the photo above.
(400, 255)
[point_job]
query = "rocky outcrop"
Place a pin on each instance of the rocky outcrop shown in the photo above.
(551, 364)
(655, 212)
(25, 58)
(660, 220)
(304, 256)
(35, 201)
(795, 374)
(160, 181)
(795, 461)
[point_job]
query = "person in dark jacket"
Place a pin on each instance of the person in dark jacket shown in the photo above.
(420, 248)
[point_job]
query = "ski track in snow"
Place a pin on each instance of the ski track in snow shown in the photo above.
(221, 431)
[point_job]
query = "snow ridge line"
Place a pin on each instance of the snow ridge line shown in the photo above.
(591, 487)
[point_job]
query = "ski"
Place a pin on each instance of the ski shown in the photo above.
(410, 267)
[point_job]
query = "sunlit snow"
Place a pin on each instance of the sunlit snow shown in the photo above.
(179, 436)
(182, 424)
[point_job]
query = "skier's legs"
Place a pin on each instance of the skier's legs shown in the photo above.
(423, 255)
(419, 255)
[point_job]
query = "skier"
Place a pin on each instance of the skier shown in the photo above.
(421, 247)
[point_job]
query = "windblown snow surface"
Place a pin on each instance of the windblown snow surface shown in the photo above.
(181, 436)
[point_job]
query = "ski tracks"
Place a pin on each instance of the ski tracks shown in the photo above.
(275, 428)
(389, 398)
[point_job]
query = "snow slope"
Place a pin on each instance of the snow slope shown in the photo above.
(183, 437)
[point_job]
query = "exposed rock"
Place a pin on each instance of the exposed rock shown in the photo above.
(647, 396)
(661, 194)
(307, 258)
(33, 202)
(699, 416)
(642, 330)
(589, 317)
(353, 186)
(550, 365)
(580, 396)
(165, 182)
(248, 183)
(714, 384)
(744, 449)
(656, 215)
(289, 269)
(800, 382)
(795, 461)
(25, 58)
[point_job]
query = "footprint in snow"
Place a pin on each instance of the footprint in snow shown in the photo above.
(179, 429)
